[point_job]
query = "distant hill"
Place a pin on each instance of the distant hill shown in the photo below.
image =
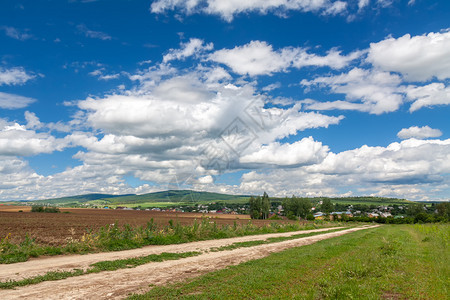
(170, 196)
(367, 200)
(79, 198)
(175, 197)
(179, 196)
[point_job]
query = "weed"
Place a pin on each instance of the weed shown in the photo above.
(114, 237)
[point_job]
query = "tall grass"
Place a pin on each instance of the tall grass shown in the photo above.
(115, 237)
(388, 262)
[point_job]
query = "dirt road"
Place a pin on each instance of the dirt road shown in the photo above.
(118, 284)
(41, 266)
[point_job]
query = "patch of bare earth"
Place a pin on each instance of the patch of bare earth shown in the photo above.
(118, 284)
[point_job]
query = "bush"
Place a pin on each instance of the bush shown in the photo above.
(310, 217)
(275, 217)
(290, 215)
(42, 209)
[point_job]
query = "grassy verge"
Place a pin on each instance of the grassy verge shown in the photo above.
(97, 268)
(389, 262)
(115, 238)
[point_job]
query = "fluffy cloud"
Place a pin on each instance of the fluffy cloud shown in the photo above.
(401, 169)
(428, 95)
(397, 163)
(193, 47)
(14, 76)
(258, 58)
(228, 9)
(419, 132)
(255, 58)
(186, 105)
(303, 152)
(418, 58)
(17, 140)
(12, 101)
(376, 92)
(19, 182)
(191, 123)
(15, 175)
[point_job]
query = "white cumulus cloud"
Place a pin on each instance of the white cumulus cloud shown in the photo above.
(428, 95)
(193, 47)
(14, 76)
(230, 8)
(12, 101)
(17, 140)
(303, 152)
(423, 132)
(418, 58)
(372, 91)
(259, 58)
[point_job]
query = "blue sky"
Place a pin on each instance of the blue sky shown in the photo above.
(313, 98)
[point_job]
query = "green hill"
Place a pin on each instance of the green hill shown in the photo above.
(186, 197)
(175, 196)
(367, 200)
(78, 199)
(163, 198)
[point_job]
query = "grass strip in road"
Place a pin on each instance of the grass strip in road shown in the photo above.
(97, 268)
(388, 262)
(272, 240)
(113, 265)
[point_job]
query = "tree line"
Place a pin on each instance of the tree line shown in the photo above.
(301, 208)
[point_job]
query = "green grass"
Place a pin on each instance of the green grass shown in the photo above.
(116, 238)
(389, 262)
(271, 240)
(97, 268)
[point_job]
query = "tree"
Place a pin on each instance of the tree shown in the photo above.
(299, 207)
(260, 207)
(443, 209)
(327, 206)
(415, 209)
(265, 206)
(254, 208)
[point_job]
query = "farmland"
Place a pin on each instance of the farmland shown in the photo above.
(335, 263)
(55, 229)
(372, 262)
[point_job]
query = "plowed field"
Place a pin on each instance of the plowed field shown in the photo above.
(56, 228)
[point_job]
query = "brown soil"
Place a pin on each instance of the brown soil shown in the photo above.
(56, 228)
(118, 284)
